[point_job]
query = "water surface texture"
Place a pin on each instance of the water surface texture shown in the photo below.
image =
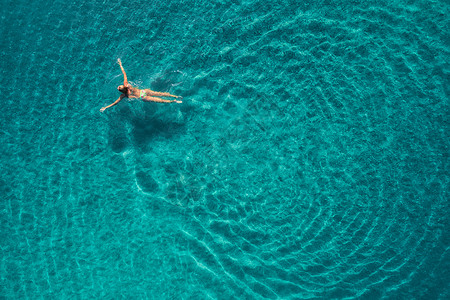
(308, 160)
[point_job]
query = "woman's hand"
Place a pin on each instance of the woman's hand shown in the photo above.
(119, 61)
(102, 109)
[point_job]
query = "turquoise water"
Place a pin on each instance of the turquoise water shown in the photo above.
(308, 160)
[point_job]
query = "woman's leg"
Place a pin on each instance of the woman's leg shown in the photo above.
(153, 93)
(156, 99)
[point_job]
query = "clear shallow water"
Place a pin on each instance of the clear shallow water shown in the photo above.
(309, 158)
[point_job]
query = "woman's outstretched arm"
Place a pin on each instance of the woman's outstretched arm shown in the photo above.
(125, 80)
(117, 101)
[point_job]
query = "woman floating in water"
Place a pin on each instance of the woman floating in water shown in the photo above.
(131, 92)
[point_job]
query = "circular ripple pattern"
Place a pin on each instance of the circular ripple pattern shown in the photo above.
(308, 160)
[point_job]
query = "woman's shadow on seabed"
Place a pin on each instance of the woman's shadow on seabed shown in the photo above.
(128, 128)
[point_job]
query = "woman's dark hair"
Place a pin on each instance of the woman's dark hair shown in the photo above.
(124, 89)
